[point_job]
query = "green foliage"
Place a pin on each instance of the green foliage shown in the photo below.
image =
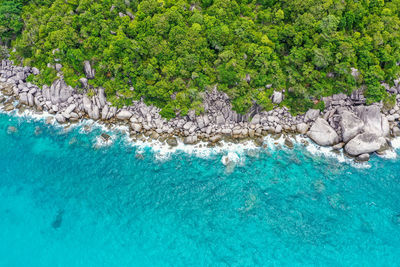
(10, 20)
(181, 48)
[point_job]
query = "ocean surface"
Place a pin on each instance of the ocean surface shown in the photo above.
(69, 199)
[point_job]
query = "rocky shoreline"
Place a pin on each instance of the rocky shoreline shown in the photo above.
(345, 123)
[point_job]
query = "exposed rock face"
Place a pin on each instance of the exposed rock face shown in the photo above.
(372, 118)
(365, 143)
(322, 133)
(311, 115)
(277, 97)
(88, 70)
(302, 128)
(351, 125)
(190, 140)
(60, 92)
(124, 115)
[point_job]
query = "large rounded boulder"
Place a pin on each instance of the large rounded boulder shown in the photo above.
(365, 143)
(322, 133)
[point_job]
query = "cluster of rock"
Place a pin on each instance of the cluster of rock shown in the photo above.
(345, 121)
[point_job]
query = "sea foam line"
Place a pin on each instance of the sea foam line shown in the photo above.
(229, 152)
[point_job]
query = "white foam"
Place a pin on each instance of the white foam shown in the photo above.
(395, 142)
(232, 152)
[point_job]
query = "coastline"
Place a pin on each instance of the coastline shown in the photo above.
(345, 119)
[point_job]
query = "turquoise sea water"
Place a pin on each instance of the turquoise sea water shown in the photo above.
(66, 202)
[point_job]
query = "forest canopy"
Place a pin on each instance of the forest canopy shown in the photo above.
(169, 52)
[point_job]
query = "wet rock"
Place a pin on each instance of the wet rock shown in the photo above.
(363, 157)
(289, 143)
(259, 141)
(215, 138)
(365, 143)
(58, 220)
(322, 133)
(338, 146)
(12, 129)
(8, 107)
(172, 141)
(105, 137)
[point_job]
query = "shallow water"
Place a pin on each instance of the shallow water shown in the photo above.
(66, 201)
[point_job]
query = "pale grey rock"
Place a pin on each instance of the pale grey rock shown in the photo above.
(278, 129)
(84, 82)
(58, 67)
(137, 127)
(30, 99)
(385, 126)
(256, 119)
(90, 73)
(396, 131)
(124, 115)
(302, 128)
(95, 113)
(23, 98)
(322, 133)
(70, 108)
(220, 119)
(215, 138)
(277, 97)
(363, 157)
(104, 112)
(351, 125)
(371, 116)
(102, 97)
(311, 115)
(190, 139)
(35, 71)
(60, 118)
(365, 143)
(188, 125)
(87, 104)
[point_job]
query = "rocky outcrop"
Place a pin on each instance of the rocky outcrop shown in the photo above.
(365, 143)
(90, 73)
(322, 133)
(351, 125)
(372, 118)
(342, 120)
(277, 97)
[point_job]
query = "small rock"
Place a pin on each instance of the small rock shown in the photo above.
(172, 141)
(363, 157)
(105, 137)
(11, 130)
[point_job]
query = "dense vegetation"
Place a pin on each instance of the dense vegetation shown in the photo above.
(170, 51)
